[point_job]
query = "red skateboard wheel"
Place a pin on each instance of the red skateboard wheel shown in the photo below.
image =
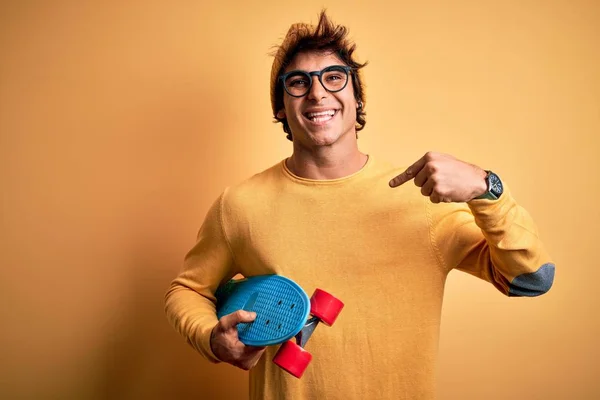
(292, 358)
(325, 307)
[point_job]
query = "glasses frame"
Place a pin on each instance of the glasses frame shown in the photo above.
(319, 74)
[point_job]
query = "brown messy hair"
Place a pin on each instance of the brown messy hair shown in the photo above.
(325, 37)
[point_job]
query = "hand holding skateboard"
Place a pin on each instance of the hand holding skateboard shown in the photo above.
(226, 345)
(268, 310)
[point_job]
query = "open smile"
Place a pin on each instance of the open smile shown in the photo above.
(320, 117)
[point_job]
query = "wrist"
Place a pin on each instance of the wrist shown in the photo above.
(211, 343)
(482, 184)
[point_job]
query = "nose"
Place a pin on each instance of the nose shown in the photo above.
(317, 91)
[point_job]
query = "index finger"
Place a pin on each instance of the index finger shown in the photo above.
(409, 173)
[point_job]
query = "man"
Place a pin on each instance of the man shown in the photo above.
(332, 217)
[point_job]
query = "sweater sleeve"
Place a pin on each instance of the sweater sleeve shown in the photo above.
(495, 240)
(190, 301)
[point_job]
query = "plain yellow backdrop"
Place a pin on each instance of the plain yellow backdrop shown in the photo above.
(121, 122)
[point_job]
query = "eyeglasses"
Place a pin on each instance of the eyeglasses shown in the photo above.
(298, 83)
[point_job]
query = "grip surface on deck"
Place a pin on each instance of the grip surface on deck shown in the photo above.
(281, 307)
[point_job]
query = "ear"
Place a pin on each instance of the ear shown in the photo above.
(281, 114)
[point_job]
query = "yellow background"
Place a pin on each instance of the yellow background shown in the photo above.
(121, 122)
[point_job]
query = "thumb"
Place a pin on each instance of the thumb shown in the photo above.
(231, 320)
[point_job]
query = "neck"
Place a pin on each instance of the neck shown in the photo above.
(325, 162)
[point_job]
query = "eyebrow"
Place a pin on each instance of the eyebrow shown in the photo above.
(314, 70)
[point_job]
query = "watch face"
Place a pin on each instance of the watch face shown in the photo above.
(495, 185)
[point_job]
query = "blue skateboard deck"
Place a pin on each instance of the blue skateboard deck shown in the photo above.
(281, 306)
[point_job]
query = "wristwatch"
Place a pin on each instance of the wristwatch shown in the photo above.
(494, 187)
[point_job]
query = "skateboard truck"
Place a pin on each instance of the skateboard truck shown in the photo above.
(292, 357)
(303, 336)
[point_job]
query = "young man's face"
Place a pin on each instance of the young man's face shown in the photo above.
(322, 129)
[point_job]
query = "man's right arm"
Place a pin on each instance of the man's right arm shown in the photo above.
(190, 301)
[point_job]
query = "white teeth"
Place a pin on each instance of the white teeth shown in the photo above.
(321, 114)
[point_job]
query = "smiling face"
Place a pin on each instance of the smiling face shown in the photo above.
(320, 118)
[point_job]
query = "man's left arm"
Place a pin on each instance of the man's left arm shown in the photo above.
(493, 239)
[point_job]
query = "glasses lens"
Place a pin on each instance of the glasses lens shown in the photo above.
(334, 78)
(297, 84)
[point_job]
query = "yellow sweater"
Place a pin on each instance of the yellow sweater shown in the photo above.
(384, 252)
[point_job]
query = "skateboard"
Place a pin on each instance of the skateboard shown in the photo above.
(283, 311)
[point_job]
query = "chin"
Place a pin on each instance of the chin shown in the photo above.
(325, 138)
